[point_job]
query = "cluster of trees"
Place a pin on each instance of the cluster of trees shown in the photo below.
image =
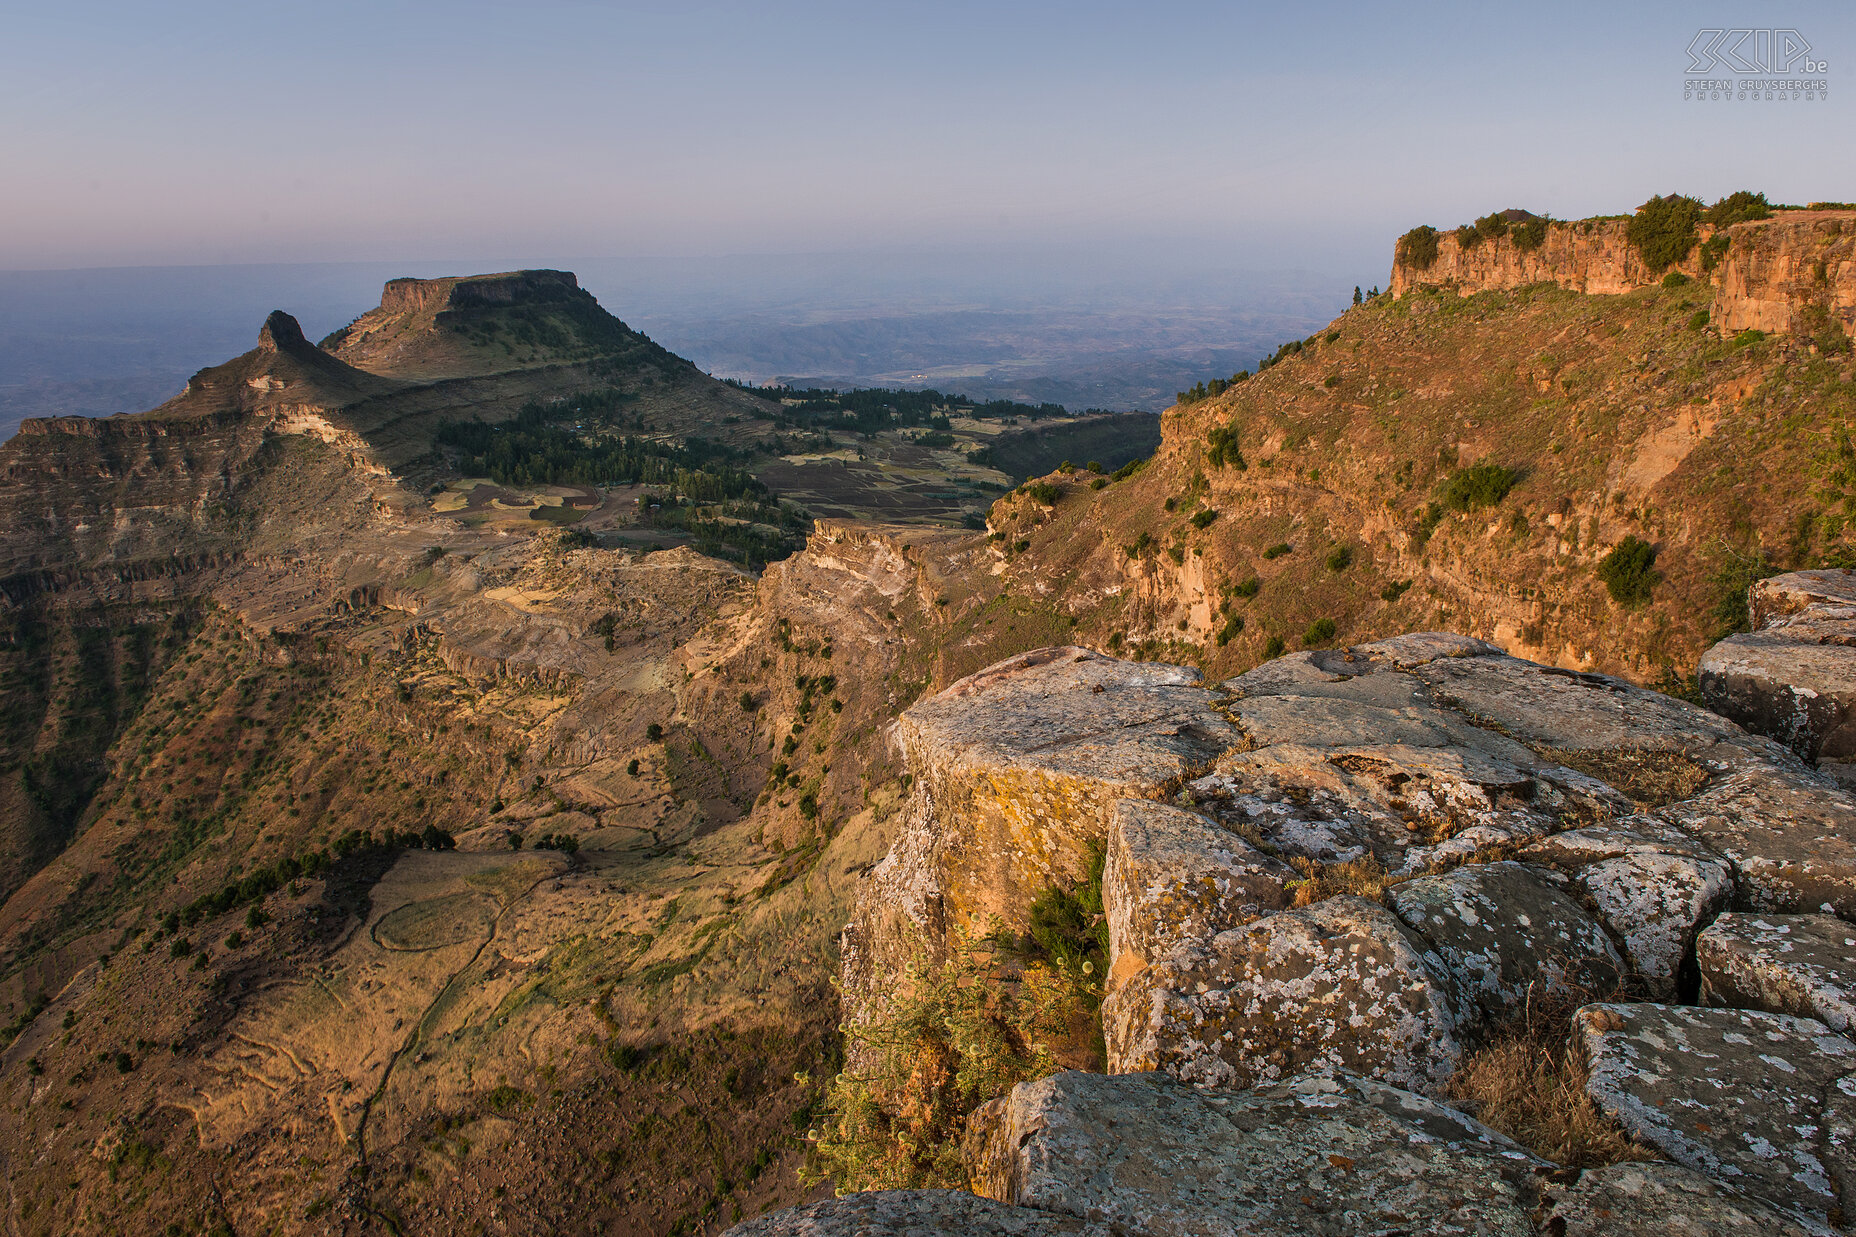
(265, 881)
(1201, 391)
(535, 452)
(1417, 249)
(1663, 231)
(880, 408)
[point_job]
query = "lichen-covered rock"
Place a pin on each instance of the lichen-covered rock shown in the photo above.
(1790, 834)
(1500, 932)
(1419, 755)
(1342, 984)
(1317, 1157)
(1793, 678)
(1016, 770)
(1656, 904)
(914, 1213)
(1659, 1200)
(1653, 886)
(1738, 1095)
(1803, 965)
(1171, 876)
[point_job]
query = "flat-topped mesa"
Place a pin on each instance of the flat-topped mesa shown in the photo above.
(1792, 272)
(460, 291)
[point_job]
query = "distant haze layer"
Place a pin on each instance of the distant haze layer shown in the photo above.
(1049, 324)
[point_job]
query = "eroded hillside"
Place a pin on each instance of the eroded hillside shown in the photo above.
(1469, 459)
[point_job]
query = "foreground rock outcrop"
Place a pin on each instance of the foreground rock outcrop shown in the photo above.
(1325, 881)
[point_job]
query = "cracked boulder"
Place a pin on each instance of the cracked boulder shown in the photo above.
(1173, 876)
(1651, 884)
(1500, 932)
(1759, 1102)
(1658, 1199)
(1793, 677)
(1016, 772)
(1802, 965)
(1339, 985)
(1143, 1154)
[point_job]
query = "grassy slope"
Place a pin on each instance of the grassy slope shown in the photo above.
(1622, 418)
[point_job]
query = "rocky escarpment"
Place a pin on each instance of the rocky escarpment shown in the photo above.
(1781, 274)
(1325, 881)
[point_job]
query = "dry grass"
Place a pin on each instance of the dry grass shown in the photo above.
(1649, 778)
(1528, 1082)
(1364, 877)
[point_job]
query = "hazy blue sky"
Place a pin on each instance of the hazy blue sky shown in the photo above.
(1303, 134)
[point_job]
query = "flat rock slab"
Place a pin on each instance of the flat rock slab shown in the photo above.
(1340, 985)
(1318, 1157)
(1172, 876)
(1803, 965)
(1659, 1200)
(914, 1213)
(1736, 1094)
(1500, 933)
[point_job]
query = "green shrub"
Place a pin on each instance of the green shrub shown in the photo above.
(1100, 483)
(1221, 448)
(1248, 588)
(1273, 647)
(1319, 632)
(1698, 319)
(1331, 381)
(1492, 227)
(1673, 280)
(1129, 469)
(1138, 546)
(1749, 337)
(654, 732)
(1067, 927)
(1394, 590)
(1714, 249)
(1278, 550)
(963, 1032)
(1340, 558)
(1203, 518)
(1044, 492)
(1822, 328)
(1417, 249)
(1731, 581)
(1738, 208)
(1479, 485)
(1530, 234)
(1627, 572)
(1467, 237)
(1663, 230)
(1233, 624)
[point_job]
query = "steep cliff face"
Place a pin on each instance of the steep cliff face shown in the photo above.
(1776, 275)
(1788, 273)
